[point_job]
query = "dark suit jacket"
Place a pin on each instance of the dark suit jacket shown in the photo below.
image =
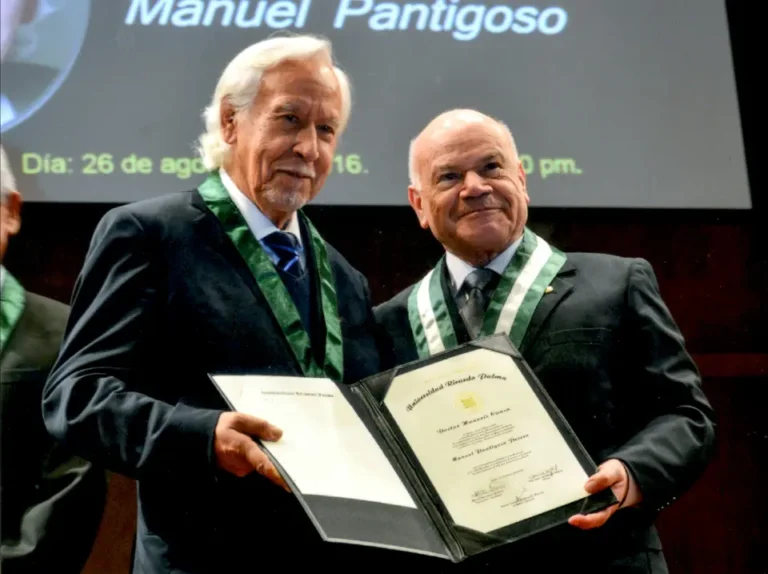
(164, 299)
(608, 352)
(51, 501)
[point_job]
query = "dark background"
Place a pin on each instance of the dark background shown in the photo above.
(713, 272)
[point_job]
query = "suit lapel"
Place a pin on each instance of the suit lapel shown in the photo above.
(28, 347)
(17, 349)
(317, 330)
(214, 235)
(210, 227)
(561, 288)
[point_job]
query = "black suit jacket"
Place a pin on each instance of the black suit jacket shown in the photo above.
(608, 352)
(163, 299)
(51, 501)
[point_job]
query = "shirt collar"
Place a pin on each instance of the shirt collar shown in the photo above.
(259, 224)
(460, 269)
(2, 277)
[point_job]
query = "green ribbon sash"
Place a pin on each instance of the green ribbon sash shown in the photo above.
(271, 286)
(12, 302)
(532, 268)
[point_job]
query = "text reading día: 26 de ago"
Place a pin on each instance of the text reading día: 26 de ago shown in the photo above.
(180, 167)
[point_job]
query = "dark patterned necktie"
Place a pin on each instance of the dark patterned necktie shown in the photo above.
(474, 296)
(286, 247)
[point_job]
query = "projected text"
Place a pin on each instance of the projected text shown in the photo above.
(187, 167)
(463, 21)
(180, 167)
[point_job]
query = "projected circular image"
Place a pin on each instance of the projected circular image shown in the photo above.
(40, 41)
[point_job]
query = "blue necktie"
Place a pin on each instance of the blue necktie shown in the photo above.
(286, 247)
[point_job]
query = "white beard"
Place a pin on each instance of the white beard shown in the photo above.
(284, 200)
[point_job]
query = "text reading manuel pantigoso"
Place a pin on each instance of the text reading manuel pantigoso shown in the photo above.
(464, 21)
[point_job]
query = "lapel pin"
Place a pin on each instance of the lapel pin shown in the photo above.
(549, 289)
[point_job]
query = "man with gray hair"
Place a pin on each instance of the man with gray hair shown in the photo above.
(51, 501)
(229, 278)
(593, 328)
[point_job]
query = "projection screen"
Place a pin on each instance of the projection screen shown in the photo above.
(612, 104)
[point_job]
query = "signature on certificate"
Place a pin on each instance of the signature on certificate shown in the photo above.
(495, 488)
(520, 496)
(545, 474)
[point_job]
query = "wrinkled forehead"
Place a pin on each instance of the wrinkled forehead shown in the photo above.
(302, 86)
(454, 143)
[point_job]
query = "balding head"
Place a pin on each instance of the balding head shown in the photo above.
(468, 184)
(444, 127)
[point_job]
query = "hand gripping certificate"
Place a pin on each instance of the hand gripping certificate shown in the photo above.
(447, 456)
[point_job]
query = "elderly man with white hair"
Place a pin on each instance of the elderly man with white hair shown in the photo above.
(51, 500)
(229, 278)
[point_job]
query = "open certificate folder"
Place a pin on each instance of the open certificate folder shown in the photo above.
(448, 456)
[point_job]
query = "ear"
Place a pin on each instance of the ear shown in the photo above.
(12, 213)
(227, 121)
(414, 198)
(523, 181)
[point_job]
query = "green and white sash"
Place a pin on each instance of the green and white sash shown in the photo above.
(280, 302)
(532, 268)
(12, 302)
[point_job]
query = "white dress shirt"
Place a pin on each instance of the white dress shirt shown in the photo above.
(259, 224)
(460, 269)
